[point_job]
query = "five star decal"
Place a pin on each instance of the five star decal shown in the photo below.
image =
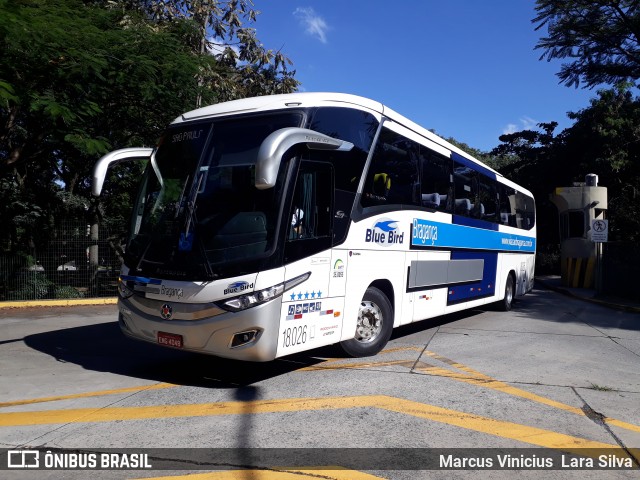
(305, 295)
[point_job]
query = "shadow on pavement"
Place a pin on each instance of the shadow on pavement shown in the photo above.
(102, 347)
(555, 307)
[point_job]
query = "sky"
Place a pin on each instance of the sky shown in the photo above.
(465, 68)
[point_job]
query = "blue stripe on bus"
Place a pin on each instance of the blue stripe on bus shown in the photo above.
(444, 235)
(477, 167)
(474, 222)
(483, 288)
(152, 281)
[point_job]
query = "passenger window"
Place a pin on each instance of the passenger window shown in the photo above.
(488, 198)
(437, 188)
(466, 188)
(525, 211)
(517, 209)
(393, 177)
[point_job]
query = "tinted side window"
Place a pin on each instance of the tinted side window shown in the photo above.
(465, 182)
(525, 211)
(487, 198)
(437, 189)
(507, 205)
(516, 209)
(393, 177)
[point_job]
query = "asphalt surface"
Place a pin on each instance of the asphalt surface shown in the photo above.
(556, 374)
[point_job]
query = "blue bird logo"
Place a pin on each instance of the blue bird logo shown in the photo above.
(386, 226)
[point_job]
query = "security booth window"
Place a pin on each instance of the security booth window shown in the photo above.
(572, 224)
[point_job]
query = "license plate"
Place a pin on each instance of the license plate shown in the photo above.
(170, 339)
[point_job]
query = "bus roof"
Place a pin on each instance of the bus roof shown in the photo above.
(316, 99)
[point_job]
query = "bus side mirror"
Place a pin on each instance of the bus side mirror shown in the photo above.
(275, 145)
(113, 158)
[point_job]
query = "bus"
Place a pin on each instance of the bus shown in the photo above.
(273, 225)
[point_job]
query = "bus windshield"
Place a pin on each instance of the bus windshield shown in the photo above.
(198, 208)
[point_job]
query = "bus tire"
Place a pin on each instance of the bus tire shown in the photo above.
(374, 327)
(509, 293)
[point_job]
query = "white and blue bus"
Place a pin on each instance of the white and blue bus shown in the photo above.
(278, 224)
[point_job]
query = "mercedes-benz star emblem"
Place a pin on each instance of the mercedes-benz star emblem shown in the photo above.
(166, 311)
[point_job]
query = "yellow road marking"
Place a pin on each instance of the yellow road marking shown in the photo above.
(476, 378)
(333, 360)
(97, 393)
(332, 473)
(169, 411)
(473, 422)
(504, 429)
(348, 366)
(488, 382)
(500, 428)
(470, 376)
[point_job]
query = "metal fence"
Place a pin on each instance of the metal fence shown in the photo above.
(620, 266)
(70, 264)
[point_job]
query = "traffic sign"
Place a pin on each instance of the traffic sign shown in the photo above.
(600, 230)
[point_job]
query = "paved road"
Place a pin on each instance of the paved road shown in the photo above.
(555, 373)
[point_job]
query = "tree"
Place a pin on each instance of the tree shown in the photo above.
(220, 31)
(77, 80)
(605, 139)
(600, 39)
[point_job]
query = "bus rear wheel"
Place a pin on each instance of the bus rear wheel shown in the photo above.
(374, 325)
(509, 292)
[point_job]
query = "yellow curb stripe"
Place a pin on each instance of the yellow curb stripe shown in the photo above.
(98, 393)
(59, 303)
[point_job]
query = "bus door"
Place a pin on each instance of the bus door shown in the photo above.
(309, 312)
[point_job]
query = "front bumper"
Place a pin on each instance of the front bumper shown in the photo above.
(205, 328)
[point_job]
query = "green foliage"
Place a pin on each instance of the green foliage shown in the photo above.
(81, 78)
(32, 286)
(599, 39)
(605, 139)
(65, 291)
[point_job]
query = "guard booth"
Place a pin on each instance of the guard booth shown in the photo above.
(578, 207)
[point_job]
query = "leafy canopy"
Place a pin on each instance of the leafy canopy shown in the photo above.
(598, 39)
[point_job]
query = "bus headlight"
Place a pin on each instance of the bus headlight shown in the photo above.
(123, 289)
(248, 300)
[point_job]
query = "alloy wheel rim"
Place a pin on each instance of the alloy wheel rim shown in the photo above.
(369, 322)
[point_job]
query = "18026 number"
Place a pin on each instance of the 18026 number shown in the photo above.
(294, 336)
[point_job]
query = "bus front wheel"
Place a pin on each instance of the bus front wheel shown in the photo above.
(374, 325)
